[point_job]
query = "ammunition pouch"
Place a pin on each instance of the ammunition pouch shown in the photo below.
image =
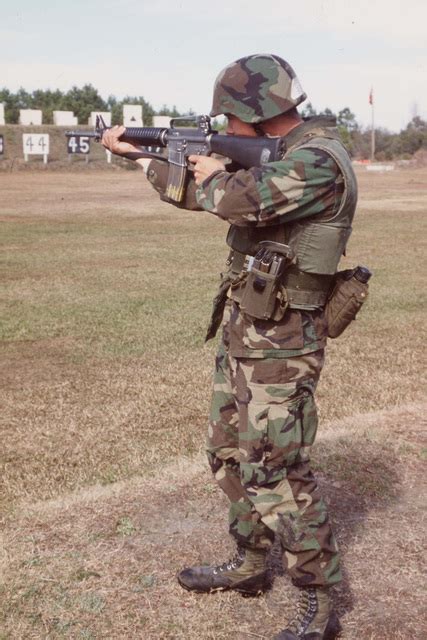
(262, 295)
(266, 296)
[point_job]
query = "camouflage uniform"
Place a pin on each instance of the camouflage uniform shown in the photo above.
(263, 421)
(263, 417)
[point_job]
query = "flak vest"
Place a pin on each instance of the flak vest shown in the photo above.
(319, 241)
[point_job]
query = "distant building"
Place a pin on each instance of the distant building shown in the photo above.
(2, 121)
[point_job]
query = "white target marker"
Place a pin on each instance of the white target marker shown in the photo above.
(35, 144)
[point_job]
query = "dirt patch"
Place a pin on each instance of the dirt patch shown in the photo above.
(102, 563)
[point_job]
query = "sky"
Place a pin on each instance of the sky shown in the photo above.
(170, 52)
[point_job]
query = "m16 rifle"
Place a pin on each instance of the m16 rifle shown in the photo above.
(191, 135)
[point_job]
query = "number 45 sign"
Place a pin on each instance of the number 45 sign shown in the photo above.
(78, 144)
(35, 144)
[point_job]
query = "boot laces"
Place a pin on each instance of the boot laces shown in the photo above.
(306, 611)
(231, 564)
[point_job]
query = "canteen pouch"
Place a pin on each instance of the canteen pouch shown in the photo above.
(263, 296)
(345, 301)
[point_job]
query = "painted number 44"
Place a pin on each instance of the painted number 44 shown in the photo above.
(36, 145)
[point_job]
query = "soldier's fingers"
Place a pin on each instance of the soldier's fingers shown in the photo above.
(194, 159)
(118, 129)
(198, 177)
(111, 136)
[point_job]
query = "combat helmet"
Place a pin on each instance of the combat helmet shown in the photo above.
(256, 88)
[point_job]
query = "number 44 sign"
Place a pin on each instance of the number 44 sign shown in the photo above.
(35, 144)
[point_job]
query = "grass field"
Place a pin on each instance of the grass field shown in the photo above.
(105, 494)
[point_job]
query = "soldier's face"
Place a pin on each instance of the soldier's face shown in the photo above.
(236, 127)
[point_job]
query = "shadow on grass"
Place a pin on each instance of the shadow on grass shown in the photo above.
(356, 475)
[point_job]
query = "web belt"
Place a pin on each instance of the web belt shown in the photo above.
(302, 288)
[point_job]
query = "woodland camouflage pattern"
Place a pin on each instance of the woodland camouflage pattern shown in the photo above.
(297, 334)
(256, 88)
(263, 422)
(307, 182)
(263, 415)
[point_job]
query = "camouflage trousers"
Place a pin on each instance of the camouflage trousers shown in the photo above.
(263, 421)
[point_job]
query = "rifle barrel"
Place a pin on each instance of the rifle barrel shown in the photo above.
(144, 136)
(87, 134)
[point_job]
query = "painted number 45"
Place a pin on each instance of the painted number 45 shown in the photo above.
(78, 144)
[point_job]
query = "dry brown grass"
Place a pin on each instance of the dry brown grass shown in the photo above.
(100, 563)
(105, 380)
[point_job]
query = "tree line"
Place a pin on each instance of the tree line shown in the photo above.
(81, 101)
(388, 145)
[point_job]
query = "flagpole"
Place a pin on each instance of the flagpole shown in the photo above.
(371, 100)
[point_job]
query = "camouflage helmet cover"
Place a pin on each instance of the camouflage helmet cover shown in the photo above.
(256, 88)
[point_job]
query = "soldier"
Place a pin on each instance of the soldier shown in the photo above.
(263, 417)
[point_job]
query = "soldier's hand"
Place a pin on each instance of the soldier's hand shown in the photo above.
(111, 141)
(204, 166)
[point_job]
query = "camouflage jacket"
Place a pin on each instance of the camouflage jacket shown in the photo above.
(306, 183)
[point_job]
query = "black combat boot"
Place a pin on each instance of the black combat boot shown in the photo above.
(246, 573)
(314, 619)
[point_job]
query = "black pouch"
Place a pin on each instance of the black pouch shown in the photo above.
(346, 299)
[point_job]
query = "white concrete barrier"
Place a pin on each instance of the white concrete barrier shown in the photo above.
(64, 118)
(106, 115)
(30, 117)
(132, 115)
(161, 121)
